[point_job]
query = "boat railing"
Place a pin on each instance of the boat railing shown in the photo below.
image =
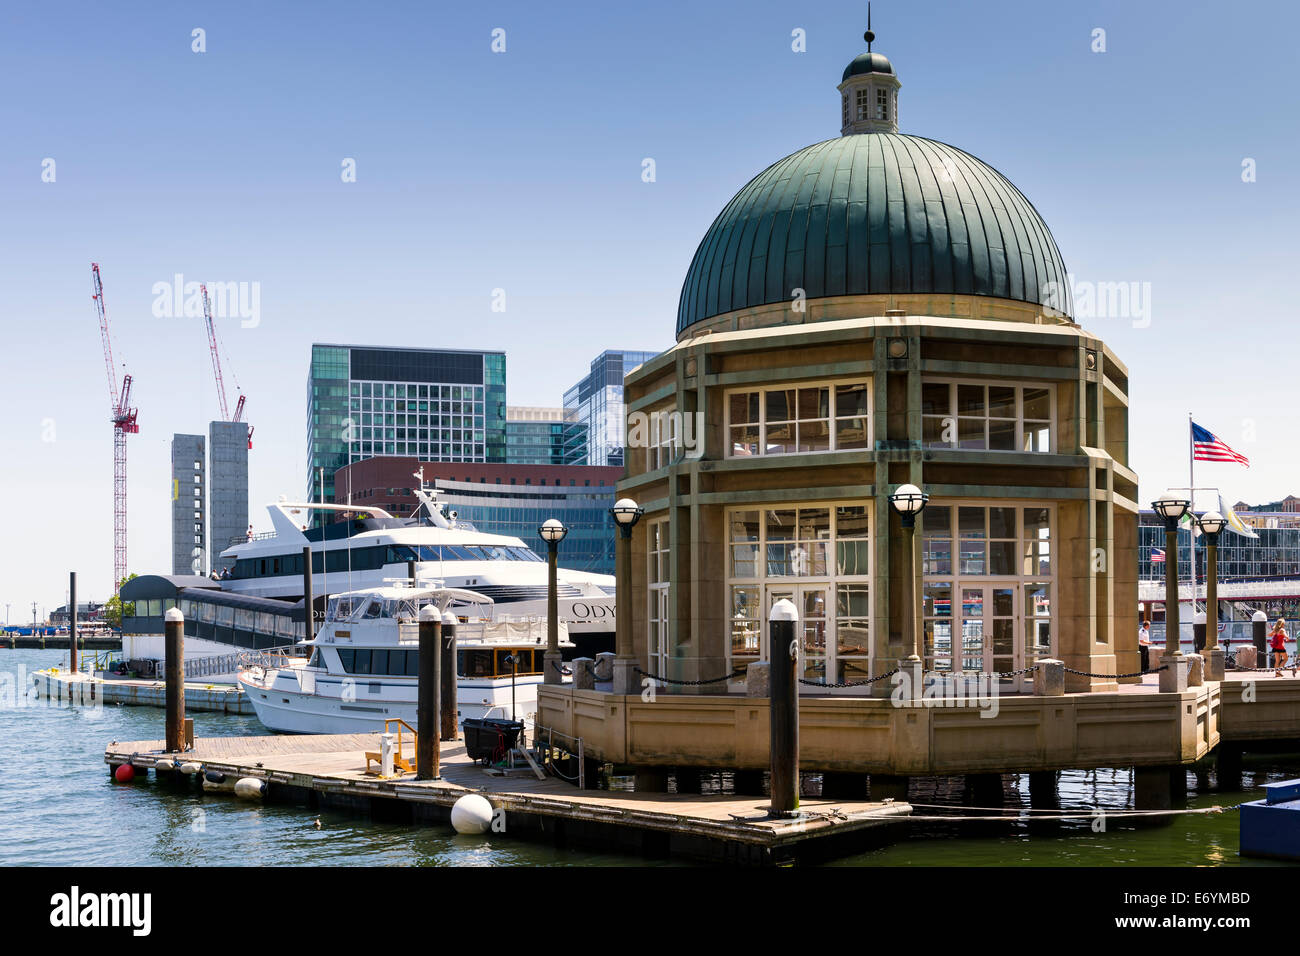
(267, 660)
(196, 667)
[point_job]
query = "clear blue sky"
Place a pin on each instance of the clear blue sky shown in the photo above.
(522, 171)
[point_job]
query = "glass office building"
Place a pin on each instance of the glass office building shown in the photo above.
(544, 436)
(519, 510)
(597, 402)
(1274, 554)
(435, 404)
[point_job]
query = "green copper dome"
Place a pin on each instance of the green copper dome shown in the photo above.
(873, 213)
(868, 63)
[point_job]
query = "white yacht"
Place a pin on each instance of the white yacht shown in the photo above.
(369, 547)
(363, 667)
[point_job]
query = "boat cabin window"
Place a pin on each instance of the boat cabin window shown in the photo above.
(341, 608)
(485, 662)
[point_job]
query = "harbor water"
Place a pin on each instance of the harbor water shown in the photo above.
(53, 781)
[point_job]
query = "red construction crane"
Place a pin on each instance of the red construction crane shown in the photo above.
(216, 369)
(123, 417)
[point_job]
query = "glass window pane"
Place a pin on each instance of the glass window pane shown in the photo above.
(780, 439)
(1035, 437)
(1002, 435)
(970, 522)
(852, 600)
(744, 408)
(853, 557)
(780, 405)
(936, 600)
(814, 436)
(935, 398)
(936, 431)
(850, 433)
(937, 519)
(851, 400)
(1038, 403)
(814, 402)
(1002, 523)
(936, 556)
(970, 400)
(744, 525)
(781, 525)
(1002, 401)
(970, 433)
(1002, 557)
(745, 440)
(851, 521)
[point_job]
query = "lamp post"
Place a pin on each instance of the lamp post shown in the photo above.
(909, 501)
(1172, 506)
(552, 532)
(1212, 523)
(626, 513)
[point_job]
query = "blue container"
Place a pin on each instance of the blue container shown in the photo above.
(1271, 827)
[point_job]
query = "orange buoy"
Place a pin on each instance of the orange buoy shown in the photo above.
(124, 773)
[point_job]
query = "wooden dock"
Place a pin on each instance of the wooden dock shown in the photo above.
(328, 772)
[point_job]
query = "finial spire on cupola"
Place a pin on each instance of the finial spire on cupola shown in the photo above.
(869, 92)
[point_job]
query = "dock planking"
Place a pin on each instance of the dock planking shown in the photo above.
(329, 771)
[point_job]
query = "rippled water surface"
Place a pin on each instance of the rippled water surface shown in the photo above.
(61, 808)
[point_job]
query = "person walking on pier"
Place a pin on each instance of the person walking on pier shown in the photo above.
(1277, 641)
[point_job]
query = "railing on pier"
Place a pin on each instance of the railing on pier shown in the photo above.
(196, 667)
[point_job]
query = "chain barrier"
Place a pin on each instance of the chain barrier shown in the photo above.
(1154, 670)
(566, 671)
(852, 683)
(689, 683)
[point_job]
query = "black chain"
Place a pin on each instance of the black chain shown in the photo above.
(689, 683)
(852, 683)
(566, 671)
(1155, 670)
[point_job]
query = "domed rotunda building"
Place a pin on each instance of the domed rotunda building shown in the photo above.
(875, 310)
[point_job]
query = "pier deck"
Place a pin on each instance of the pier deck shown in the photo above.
(328, 771)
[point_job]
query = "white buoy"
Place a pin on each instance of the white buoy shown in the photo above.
(249, 788)
(165, 763)
(471, 814)
(191, 767)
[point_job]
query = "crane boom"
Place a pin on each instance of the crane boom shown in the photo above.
(98, 299)
(124, 423)
(216, 358)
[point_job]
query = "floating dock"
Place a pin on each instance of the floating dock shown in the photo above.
(64, 685)
(329, 772)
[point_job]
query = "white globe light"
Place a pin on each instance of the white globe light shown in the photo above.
(908, 499)
(1212, 522)
(552, 529)
(626, 511)
(1171, 505)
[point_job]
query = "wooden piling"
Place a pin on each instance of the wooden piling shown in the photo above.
(428, 753)
(448, 709)
(784, 654)
(72, 620)
(308, 598)
(174, 650)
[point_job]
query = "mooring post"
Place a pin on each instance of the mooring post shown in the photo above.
(72, 620)
(410, 571)
(450, 723)
(428, 753)
(308, 599)
(174, 652)
(784, 653)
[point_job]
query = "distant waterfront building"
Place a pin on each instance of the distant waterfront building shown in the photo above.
(1274, 554)
(597, 402)
(189, 507)
(434, 404)
(544, 436)
(509, 499)
(227, 487)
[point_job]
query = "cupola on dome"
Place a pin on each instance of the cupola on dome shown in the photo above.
(873, 211)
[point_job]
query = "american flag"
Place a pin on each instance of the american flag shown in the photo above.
(1206, 447)
(1157, 555)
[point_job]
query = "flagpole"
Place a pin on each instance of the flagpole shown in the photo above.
(1191, 532)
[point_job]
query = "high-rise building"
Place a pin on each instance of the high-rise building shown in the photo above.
(189, 508)
(544, 436)
(597, 403)
(435, 404)
(227, 486)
